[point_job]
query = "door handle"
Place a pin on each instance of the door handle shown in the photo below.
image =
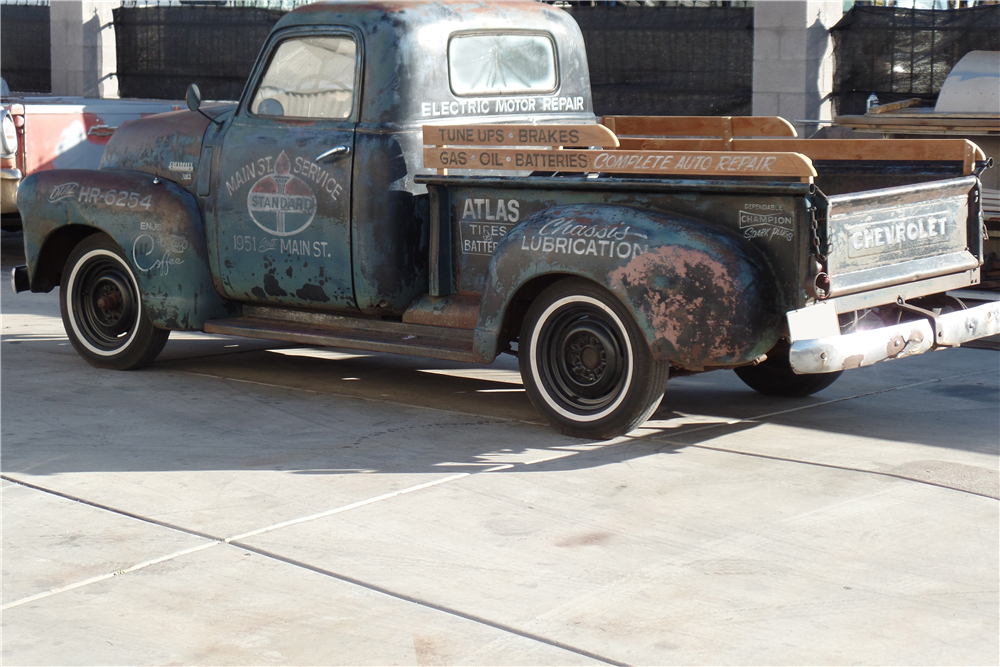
(334, 154)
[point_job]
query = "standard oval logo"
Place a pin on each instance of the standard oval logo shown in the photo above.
(280, 203)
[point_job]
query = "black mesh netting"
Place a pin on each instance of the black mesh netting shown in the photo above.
(669, 61)
(902, 53)
(643, 60)
(25, 55)
(163, 49)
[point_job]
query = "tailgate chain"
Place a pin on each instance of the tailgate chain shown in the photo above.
(819, 286)
(817, 246)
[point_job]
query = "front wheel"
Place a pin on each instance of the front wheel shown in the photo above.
(585, 363)
(102, 308)
(775, 377)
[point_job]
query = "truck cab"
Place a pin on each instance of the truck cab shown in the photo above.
(307, 186)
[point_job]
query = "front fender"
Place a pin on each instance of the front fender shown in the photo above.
(702, 296)
(155, 222)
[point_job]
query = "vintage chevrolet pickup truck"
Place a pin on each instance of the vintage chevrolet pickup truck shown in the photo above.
(430, 179)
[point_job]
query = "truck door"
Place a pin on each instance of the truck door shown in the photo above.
(284, 197)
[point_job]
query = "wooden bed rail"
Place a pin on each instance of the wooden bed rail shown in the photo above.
(593, 148)
(771, 133)
(890, 150)
(713, 133)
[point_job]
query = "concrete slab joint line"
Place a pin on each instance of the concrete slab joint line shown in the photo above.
(647, 434)
(882, 473)
(236, 539)
(233, 541)
(215, 541)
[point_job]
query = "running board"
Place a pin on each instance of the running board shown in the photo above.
(353, 333)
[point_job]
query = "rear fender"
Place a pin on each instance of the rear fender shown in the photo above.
(155, 222)
(702, 296)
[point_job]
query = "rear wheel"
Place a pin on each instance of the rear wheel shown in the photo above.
(585, 363)
(102, 308)
(775, 377)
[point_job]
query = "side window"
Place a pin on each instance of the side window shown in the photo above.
(484, 63)
(309, 78)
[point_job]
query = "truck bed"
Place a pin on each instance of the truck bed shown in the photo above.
(893, 218)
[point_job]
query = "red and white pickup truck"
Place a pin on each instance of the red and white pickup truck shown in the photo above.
(42, 132)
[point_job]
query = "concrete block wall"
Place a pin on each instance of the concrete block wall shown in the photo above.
(83, 48)
(793, 60)
(792, 73)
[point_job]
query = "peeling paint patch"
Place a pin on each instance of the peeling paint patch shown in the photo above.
(310, 292)
(854, 361)
(690, 299)
(271, 285)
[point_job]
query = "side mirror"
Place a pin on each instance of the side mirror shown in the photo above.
(193, 97)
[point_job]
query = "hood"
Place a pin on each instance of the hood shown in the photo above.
(167, 145)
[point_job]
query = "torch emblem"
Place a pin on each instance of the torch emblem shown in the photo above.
(280, 203)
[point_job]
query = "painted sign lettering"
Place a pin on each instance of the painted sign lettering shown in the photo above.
(483, 222)
(282, 200)
(774, 222)
(501, 105)
(248, 243)
(506, 210)
(64, 191)
(305, 248)
(158, 252)
(480, 239)
(551, 160)
(261, 167)
(519, 135)
(247, 172)
(627, 161)
(119, 198)
(707, 164)
(575, 238)
(311, 171)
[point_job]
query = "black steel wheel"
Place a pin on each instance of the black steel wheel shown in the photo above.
(102, 308)
(775, 377)
(585, 363)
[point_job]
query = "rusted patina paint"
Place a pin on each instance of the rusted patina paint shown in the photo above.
(458, 311)
(694, 316)
(156, 224)
(390, 231)
(895, 346)
(854, 361)
(701, 296)
(167, 145)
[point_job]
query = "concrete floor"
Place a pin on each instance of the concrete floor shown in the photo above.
(241, 502)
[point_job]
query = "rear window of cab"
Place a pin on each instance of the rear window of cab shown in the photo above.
(498, 63)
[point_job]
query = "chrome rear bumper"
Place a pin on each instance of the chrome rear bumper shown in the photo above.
(864, 348)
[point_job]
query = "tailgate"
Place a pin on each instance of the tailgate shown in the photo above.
(902, 235)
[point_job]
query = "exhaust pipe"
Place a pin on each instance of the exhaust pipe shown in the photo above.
(19, 279)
